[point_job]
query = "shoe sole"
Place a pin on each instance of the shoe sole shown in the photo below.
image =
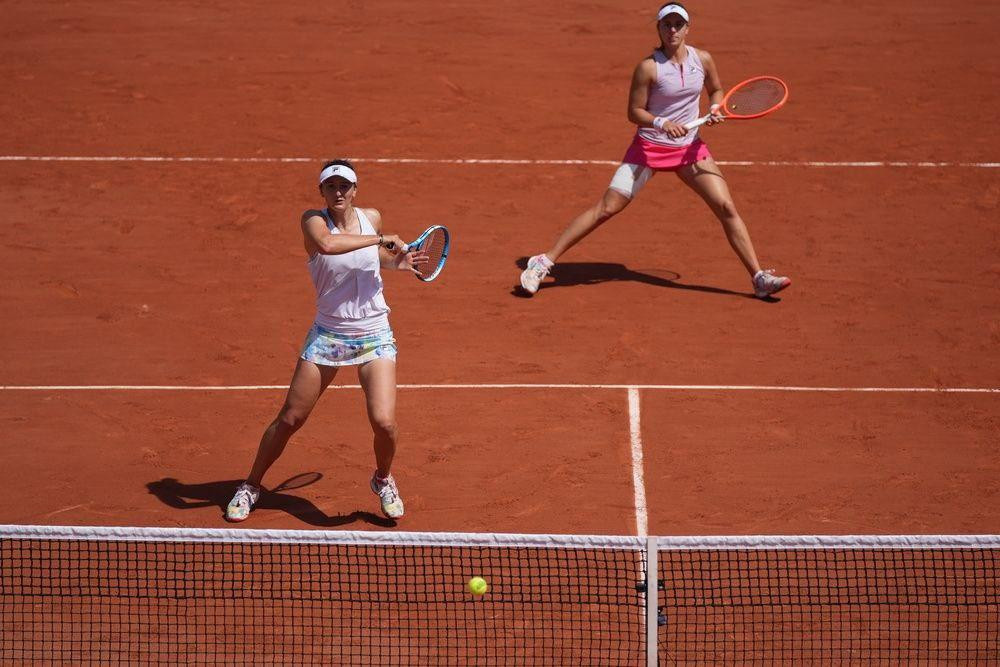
(389, 516)
(767, 294)
(384, 513)
(525, 287)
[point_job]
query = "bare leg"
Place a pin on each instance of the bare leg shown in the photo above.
(610, 205)
(378, 380)
(705, 178)
(308, 384)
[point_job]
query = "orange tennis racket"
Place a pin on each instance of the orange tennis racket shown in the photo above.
(752, 98)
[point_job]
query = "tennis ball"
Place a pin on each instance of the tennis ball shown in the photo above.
(477, 586)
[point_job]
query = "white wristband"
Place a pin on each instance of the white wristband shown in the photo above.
(658, 123)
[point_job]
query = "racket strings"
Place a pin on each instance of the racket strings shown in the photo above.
(435, 246)
(756, 97)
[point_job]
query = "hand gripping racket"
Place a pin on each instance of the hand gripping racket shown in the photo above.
(752, 98)
(435, 241)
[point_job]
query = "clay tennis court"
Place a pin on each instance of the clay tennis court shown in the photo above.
(157, 157)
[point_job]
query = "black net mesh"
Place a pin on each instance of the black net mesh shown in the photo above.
(830, 606)
(107, 602)
(114, 596)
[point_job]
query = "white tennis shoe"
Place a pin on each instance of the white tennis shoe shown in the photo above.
(538, 267)
(388, 494)
(765, 283)
(241, 504)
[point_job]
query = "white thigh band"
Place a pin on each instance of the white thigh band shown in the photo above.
(630, 178)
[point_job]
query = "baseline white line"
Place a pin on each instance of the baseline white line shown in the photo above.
(487, 161)
(638, 477)
(661, 387)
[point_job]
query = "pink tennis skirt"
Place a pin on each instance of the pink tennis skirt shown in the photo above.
(668, 158)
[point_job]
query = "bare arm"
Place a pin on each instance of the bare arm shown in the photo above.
(317, 236)
(638, 94)
(638, 97)
(713, 84)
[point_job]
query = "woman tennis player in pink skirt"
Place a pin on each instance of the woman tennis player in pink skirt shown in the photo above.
(664, 96)
(346, 249)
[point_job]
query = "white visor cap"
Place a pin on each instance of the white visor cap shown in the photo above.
(338, 170)
(673, 9)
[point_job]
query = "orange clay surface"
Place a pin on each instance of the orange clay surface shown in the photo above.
(190, 273)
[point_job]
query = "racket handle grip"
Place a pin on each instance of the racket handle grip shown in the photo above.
(697, 123)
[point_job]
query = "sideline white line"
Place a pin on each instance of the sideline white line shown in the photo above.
(486, 161)
(638, 478)
(661, 387)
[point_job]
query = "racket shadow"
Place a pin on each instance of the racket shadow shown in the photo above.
(181, 495)
(572, 274)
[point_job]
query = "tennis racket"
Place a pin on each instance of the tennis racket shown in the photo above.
(752, 98)
(435, 241)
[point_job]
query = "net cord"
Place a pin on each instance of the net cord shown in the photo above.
(220, 535)
(729, 542)
(631, 543)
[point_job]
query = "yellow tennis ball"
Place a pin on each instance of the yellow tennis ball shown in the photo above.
(477, 586)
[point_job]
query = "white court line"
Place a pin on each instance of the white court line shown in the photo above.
(662, 387)
(486, 161)
(638, 477)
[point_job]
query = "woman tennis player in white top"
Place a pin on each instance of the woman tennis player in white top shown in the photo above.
(665, 91)
(346, 249)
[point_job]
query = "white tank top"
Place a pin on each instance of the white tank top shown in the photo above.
(675, 95)
(349, 286)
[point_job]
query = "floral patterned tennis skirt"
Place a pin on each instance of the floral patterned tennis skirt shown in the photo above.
(327, 348)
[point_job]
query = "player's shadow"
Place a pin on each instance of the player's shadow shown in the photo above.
(569, 274)
(181, 495)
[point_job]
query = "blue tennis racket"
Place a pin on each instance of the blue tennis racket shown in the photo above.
(435, 241)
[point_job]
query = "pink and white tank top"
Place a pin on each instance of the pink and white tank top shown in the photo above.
(349, 286)
(675, 95)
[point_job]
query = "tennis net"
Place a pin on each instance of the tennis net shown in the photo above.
(203, 596)
(893, 599)
(124, 595)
